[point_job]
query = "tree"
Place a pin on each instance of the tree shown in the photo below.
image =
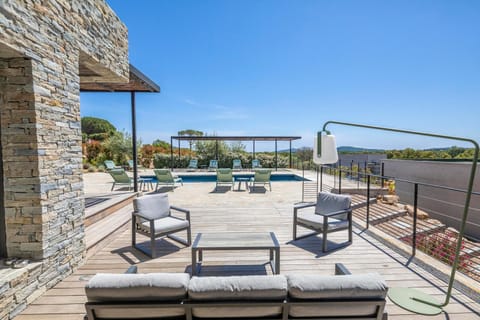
(161, 144)
(237, 147)
(190, 133)
(97, 129)
(305, 154)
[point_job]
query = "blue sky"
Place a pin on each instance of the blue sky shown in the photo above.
(272, 67)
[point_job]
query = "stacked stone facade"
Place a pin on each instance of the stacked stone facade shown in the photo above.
(43, 45)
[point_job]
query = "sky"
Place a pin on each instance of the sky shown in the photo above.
(275, 67)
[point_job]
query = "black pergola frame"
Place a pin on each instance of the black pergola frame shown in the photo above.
(138, 82)
(235, 138)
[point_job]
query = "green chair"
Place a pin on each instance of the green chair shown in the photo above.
(237, 164)
(193, 165)
(213, 165)
(120, 178)
(256, 164)
(130, 165)
(262, 176)
(110, 165)
(224, 176)
(165, 177)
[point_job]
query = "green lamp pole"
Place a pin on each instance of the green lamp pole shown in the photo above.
(412, 299)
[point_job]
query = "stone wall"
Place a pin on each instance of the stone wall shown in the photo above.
(46, 49)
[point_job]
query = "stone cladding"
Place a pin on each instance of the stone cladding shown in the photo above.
(47, 48)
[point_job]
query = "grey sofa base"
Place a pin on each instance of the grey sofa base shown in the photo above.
(284, 305)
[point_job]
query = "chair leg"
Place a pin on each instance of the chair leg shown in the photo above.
(189, 236)
(324, 239)
(113, 186)
(134, 234)
(152, 246)
(294, 229)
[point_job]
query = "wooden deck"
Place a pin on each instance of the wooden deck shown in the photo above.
(235, 211)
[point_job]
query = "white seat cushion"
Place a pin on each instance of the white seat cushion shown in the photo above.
(316, 221)
(165, 224)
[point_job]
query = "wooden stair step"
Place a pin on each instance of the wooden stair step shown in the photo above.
(102, 229)
(109, 205)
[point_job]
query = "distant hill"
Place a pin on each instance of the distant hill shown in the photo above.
(349, 149)
(345, 149)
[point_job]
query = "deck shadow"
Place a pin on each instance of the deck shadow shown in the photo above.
(314, 244)
(258, 189)
(162, 246)
(221, 189)
(231, 270)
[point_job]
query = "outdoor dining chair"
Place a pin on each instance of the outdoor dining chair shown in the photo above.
(332, 213)
(152, 217)
(193, 164)
(237, 164)
(213, 165)
(165, 177)
(256, 164)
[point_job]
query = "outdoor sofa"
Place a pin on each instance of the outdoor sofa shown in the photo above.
(295, 296)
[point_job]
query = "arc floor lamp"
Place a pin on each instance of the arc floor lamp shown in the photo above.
(325, 152)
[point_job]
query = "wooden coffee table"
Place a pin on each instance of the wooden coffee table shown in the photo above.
(246, 241)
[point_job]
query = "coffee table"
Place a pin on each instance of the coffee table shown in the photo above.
(246, 241)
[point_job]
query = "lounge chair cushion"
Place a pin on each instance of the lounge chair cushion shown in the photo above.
(356, 286)
(329, 202)
(316, 221)
(152, 207)
(237, 288)
(165, 224)
(138, 287)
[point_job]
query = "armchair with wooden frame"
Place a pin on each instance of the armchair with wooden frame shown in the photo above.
(332, 213)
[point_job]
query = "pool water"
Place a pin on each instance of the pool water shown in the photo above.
(213, 178)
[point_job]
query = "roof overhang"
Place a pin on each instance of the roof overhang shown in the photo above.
(236, 138)
(138, 82)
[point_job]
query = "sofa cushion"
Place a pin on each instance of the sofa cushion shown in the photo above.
(238, 288)
(137, 287)
(153, 206)
(369, 285)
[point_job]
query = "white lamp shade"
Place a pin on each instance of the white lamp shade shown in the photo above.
(329, 153)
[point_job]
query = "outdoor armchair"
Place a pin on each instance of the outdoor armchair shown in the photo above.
(224, 176)
(262, 176)
(237, 164)
(256, 164)
(110, 165)
(193, 164)
(213, 165)
(332, 213)
(152, 217)
(165, 177)
(120, 177)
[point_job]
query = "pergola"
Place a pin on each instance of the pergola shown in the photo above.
(235, 138)
(138, 82)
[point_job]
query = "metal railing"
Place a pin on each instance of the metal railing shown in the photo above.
(428, 235)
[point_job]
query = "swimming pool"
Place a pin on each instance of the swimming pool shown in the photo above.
(212, 177)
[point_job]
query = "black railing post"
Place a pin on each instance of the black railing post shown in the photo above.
(383, 175)
(368, 201)
(415, 206)
(339, 180)
(321, 178)
(303, 183)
